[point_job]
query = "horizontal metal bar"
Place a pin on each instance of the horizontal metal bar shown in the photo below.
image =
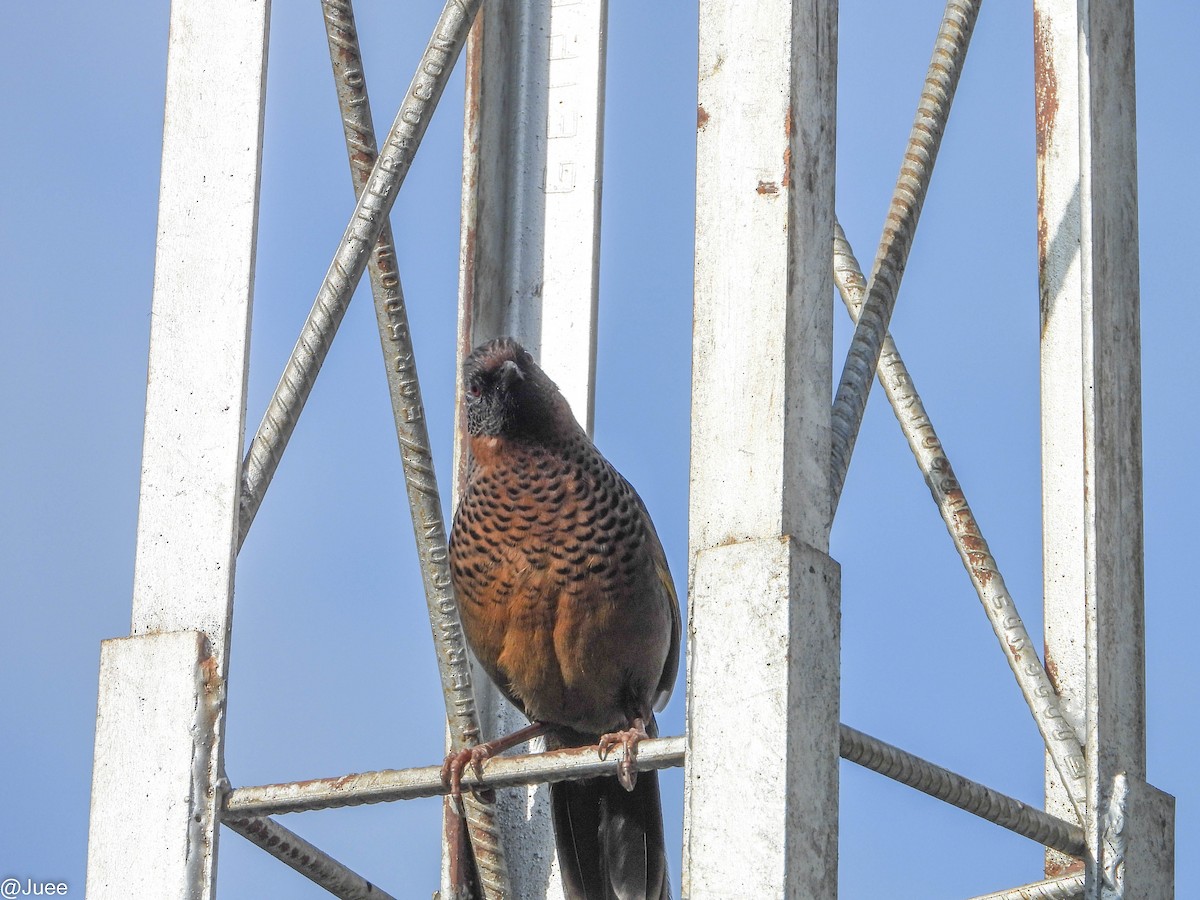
(409, 784)
(1061, 741)
(1069, 887)
(350, 259)
(962, 792)
(314, 864)
(658, 753)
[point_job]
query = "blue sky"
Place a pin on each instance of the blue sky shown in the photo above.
(332, 666)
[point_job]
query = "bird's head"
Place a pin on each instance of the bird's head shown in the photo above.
(508, 395)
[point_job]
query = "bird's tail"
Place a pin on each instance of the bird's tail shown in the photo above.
(610, 841)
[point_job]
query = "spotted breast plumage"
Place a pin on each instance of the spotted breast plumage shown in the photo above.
(568, 604)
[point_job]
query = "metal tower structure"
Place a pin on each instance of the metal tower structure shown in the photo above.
(762, 427)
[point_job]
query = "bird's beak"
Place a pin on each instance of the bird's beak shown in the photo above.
(510, 373)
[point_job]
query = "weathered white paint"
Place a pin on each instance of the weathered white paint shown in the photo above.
(199, 333)
(760, 390)
(1112, 512)
(1056, 50)
(159, 728)
(152, 825)
(529, 266)
(763, 630)
(1143, 839)
(763, 734)
(571, 185)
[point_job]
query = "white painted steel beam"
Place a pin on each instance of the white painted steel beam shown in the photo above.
(1091, 437)
(763, 634)
(200, 320)
(1131, 826)
(530, 266)
(160, 716)
(153, 824)
(1056, 92)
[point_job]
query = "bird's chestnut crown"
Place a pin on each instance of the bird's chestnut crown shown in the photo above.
(507, 394)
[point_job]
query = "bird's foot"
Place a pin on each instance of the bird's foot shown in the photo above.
(628, 739)
(456, 762)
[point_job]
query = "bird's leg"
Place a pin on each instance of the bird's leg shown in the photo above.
(628, 739)
(458, 760)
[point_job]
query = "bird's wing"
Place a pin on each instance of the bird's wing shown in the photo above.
(666, 684)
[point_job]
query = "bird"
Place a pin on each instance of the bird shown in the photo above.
(567, 602)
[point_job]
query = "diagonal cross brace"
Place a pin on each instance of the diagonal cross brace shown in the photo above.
(1062, 743)
(949, 53)
(350, 259)
(416, 455)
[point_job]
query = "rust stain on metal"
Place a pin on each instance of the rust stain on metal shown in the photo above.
(464, 873)
(767, 187)
(474, 54)
(788, 128)
(333, 784)
(1058, 864)
(211, 675)
(1052, 671)
(1045, 85)
(701, 118)
(1045, 88)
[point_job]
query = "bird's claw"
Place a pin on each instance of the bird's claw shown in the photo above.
(628, 740)
(456, 762)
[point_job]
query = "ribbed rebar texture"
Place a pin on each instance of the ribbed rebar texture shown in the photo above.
(1067, 888)
(350, 260)
(416, 455)
(409, 784)
(1019, 649)
(311, 862)
(659, 753)
(964, 793)
(949, 53)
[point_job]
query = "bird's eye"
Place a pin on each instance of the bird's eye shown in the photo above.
(474, 390)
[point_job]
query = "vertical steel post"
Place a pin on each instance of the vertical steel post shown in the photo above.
(1130, 825)
(529, 263)
(1091, 437)
(159, 732)
(1056, 93)
(761, 803)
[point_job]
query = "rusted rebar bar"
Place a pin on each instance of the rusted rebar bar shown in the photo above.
(1069, 887)
(1062, 743)
(658, 753)
(416, 456)
(949, 53)
(426, 781)
(310, 861)
(350, 259)
(960, 791)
